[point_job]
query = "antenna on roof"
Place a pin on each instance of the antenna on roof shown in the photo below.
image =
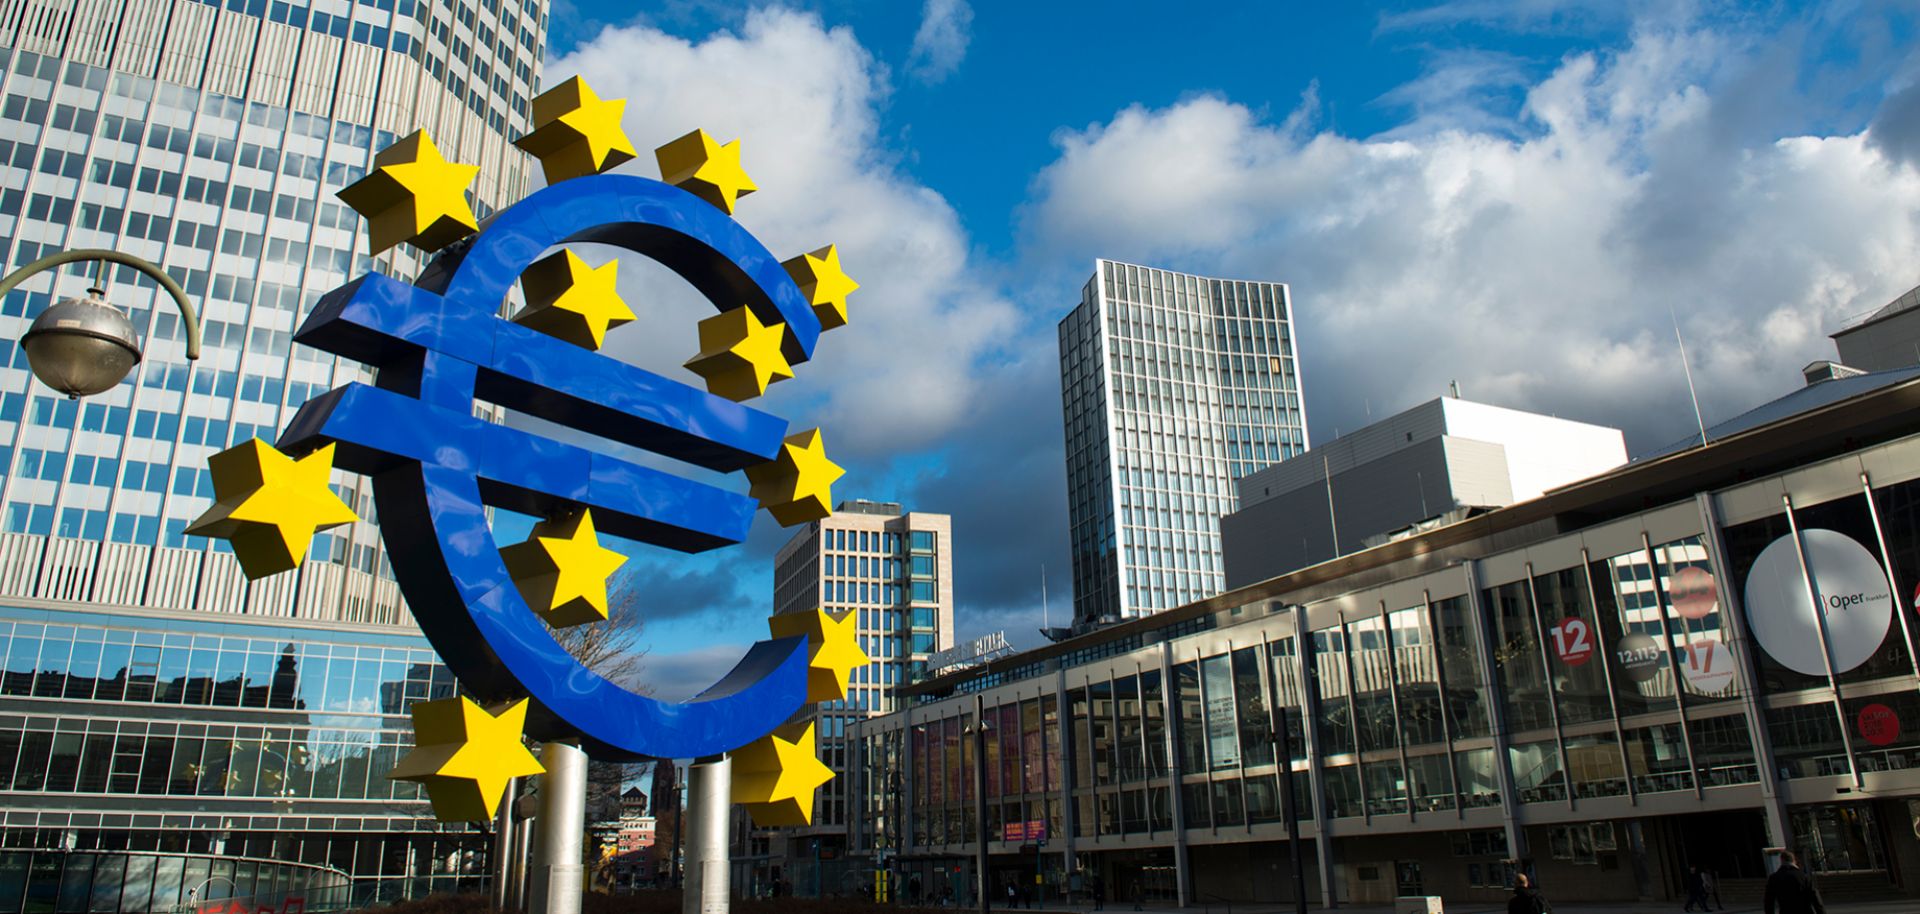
(1046, 620)
(1454, 386)
(1688, 369)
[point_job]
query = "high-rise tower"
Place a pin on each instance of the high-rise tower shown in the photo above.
(892, 569)
(1172, 386)
(214, 718)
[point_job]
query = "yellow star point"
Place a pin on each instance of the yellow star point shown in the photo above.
(710, 170)
(833, 650)
(824, 283)
(576, 132)
(269, 505)
(415, 195)
(465, 756)
(739, 356)
(797, 486)
(775, 776)
(562, 570)
(569, 300)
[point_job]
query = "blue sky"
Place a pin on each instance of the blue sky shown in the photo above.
(1514, 195)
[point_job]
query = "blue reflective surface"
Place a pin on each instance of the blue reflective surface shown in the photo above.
(436, 468)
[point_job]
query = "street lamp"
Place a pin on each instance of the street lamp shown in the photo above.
(83, 346)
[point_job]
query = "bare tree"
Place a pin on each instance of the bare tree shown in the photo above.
(611, 648)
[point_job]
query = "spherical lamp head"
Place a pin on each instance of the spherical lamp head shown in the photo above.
(81, 346)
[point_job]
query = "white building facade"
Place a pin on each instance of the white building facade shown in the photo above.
(1436, 463)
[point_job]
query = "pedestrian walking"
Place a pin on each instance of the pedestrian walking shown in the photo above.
(1790, 890)
(1528, 900)
(1696, 889)
(1100, 894)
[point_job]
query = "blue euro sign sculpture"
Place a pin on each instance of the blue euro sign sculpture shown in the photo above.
(441, 344)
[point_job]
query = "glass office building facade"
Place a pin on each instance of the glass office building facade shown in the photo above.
(1172, 386)
(892, 570)
(1602, 687)
(154, 700)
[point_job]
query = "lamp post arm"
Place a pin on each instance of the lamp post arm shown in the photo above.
(83, 255)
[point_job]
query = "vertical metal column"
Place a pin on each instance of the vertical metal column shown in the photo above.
(1733, 614)
(1502, 752)
(1316, 771)
(1826, 642)
(981, 880)
(557, 884)
(1182, 870)
(521, 868)
(504, 847)
(1880, 536)
(705, 889)
(1069, 757)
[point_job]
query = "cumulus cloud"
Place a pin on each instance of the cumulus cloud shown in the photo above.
(1537, 269)
(924, 364)
(946, 27)
(803, 100)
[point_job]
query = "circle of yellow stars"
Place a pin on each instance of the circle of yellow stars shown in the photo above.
(270, 505)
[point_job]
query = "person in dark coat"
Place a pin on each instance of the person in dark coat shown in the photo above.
(1526, 899)
(1790, 891)
(1696, 889)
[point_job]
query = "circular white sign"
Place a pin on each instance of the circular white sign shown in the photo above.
(1709, 666)
(1854, 599)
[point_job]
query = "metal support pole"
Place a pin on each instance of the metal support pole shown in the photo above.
(1289, 807)
(709, 794)
(980, 800)
(519, 868)
(556, 885)
(503, 848)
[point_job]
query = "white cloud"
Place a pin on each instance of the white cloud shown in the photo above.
(803, 99)
(1539, 270)
(946, 27)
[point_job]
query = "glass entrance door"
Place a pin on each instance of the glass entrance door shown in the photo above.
(1839, 838)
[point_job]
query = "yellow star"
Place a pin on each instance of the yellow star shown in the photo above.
(562, 570)
(796, 486)
(414, 195)
(576, 132)
(700, 165)
(739, 356)
(825, 285)
(569, 300)
(465, 756)
(269, 505)
(833, 650)
(776, 775)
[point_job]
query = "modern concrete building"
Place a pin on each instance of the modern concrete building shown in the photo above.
(1601, 686)
(893, 569)
(1438, 462)
(1885, 339)
(1172, 386)
(167, 727)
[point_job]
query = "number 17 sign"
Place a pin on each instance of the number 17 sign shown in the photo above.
(1709, 666)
